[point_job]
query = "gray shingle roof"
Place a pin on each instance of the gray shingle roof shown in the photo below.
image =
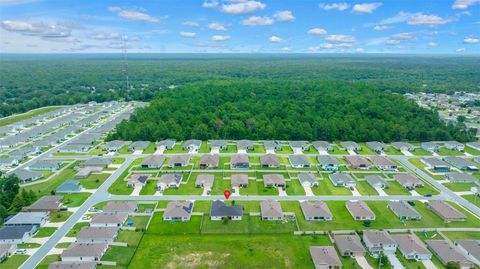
(219, 209)
(315, 209)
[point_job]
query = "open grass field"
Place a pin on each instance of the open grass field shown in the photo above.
(13, 262)
(75, 199)
(471, 151)
(460, 186)
(472, 199)
(94, 181)
(27, 115)
(325, 187)
(449, 152)
(248, 225)
(396, 189)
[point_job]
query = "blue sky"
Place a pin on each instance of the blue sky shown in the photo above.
(299, 26)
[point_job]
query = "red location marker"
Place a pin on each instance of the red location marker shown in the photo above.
(227, 194)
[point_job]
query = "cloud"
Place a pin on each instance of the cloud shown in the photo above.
(366, 7)
(243, 7)
(464, 4)
(317, 31)
(382, 27)
(400, 17)
(335, 45)
(430, 20)
(432, 44)
(285, 49)
(334, 6)
(276, 39)
(256, 21)
(97, 35)
(190, 23)
(41, 29)
(217, 26)
(461, 50)
(208, 45)
(360, 50)
(221, 37)
(188, 34)
(471, 40)
(133, 15)
(210, 4)
(284, 16)
(340, 38)
(398, 38)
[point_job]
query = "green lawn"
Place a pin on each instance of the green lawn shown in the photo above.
(365, 189)
(94, 181)
(396, 189)
(204, 147)
(460, 186)
(409, 264)
(60, 216)
(48, 260)
(45, 232)
(124, 150)
(294, 187)
(337, 150)
(132, 238)
(177, 148)
(472, 199)
(45, 188)
(257, 188)
(123, 255)
(27, 115)
(365, 150)
(230, 149)
(118, 160)
(472, 151)
(29, 245)
(75, 199)
(76, 228)
(220, 184)
(462, 235)
(139, 222)
(325, 187)
(160, 227)
(449, 152)
(248, 225)
(150, 188)
(63, 245)
(421, 152)
(150, 149)
(14, 261)
(285, 150)
(119, 187)
(393, 151)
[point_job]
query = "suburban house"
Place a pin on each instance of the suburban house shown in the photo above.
(97, 235)
(316, 210)
(218, 144)
(96, 162)
(470, 248)
(6, 250)
(349, 245)
(298, 146)
(27, 219)
(239, 161)
(446, 211)
(114, 146)
(123, 207)
(171, 181)
(357, 162)
(25, 175)
(166, 144)
(474, 145)
(403, 146)
(153, 161)
(378, 241)
(108, 220)
(377, 182)
(308, 179)
(239, 180)
(139, 146)
(341, 180)
(322, 146)
(178, 211)
(16, 234)
(411, 247)
(51, 165)
(272, 146)
(85, 172)
(221, 211)
(325, 257)
(351, 146)
(359, 210)
(403, 210)
(271, 210)
(383, 163)
(274, 180)
(298, 161)
(269, 160)
(73, 265)
(328, 162)
(460, 178)
(245, 145)
(429, 146)
(461, 163)
(408, 181)
(446, 253)
(85, 252)
(209, 161)
(6, 163)
(376, 146)
(47, 203)
(436, 164)
(179, 160)
(69, 186)
(192, 145)
(454, 145)
(204, 181)
(137, 180)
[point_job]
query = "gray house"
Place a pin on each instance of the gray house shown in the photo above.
(25, 175)
(171, 181)
(403, 210)
(69, 186)
(446, 253)
(204, 181)
(179, 160)
(316, 211)
(108, 220)
(272, 146)
(218, 144)
(85, 252)
(461, 163)
(221, 211)
(377, 182)
(383, 163)
(274, 180)
(192, 145)
(299, 145)
(271, 210)
(308, 179)
(245, 145)
(470, 248)
(47, 203)
(178, 211)
(460, 178)
(28, 218)
(349, 245)
(166, 144)
(239, 180)
(379, 241)
(360, 210)
(436, 164)
(239, 161)
(322, 146)
(16, 234)
(429, 146)
(298, 161)
(328, 162)
(454, 145)
(209, 161)
(408, 181)
(269, 160)
(446, 211)
(51, 165)
(114, 146)
(96, 162)
(139, 146)
(411, 247)
(341, 180)
(153, 161)
(325, 257)
(97, 235)
(120, 207)
(403, 146)
(350, 145)
(376, 146)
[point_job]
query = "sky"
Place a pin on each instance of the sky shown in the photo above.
(240, 26)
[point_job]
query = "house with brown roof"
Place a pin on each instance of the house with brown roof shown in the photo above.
(378, 241)
(239, 161)
(84, 252)
(179, 160)
(271, 210)
(153, 161)
(411, 247)
(239, 180)
(274, 180)
(445, 211)
(408, 181)
(208, 161)
(97, 235)
(360, 210)
(204, 181)
(357, 162)
(108, 220)
(349, 245)
(446, 253)
(383, 163)
(470, 248)
(178, 211)
(269, 160)
(316, 210)
(120, 207)
(49, 203)
(170, 181)
(325, 257)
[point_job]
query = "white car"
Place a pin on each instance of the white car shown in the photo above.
(86, 218)
(21, 251)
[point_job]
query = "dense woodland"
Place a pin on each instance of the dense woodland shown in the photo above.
(11, 198)
(285, 110)
(32, 81)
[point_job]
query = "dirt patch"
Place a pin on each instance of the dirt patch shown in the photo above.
(196, 259)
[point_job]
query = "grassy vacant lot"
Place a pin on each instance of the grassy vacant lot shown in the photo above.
(27, 115)
(325, 187)
(472, 199)
(294, 187)
(396, 189)
(365, 189)
(150, 149)
(76, 228)
(393, 151)
(257, 188)
(460, 186)
(449, 152)
(421, 152)
(94, 181)
(232, 251)
(119, 187)
(45, 232)
(248, 225)
(60, 216)
(13, 261)
(150, 188)
(75, 199)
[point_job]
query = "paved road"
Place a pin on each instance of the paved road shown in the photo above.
(99, 196)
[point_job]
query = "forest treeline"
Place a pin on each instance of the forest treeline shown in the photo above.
(285, 110)
(32, 81)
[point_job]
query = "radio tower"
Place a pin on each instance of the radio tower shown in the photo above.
(125, 64)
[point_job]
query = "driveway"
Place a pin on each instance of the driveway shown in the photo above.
(136, 190)
(355, 192)
(363, 262)
(282, 192)
(381, 192)
(429, 264)
(394, 261)
(308, 191)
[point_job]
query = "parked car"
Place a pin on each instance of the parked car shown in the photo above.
(427, 195)
(21, 251)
